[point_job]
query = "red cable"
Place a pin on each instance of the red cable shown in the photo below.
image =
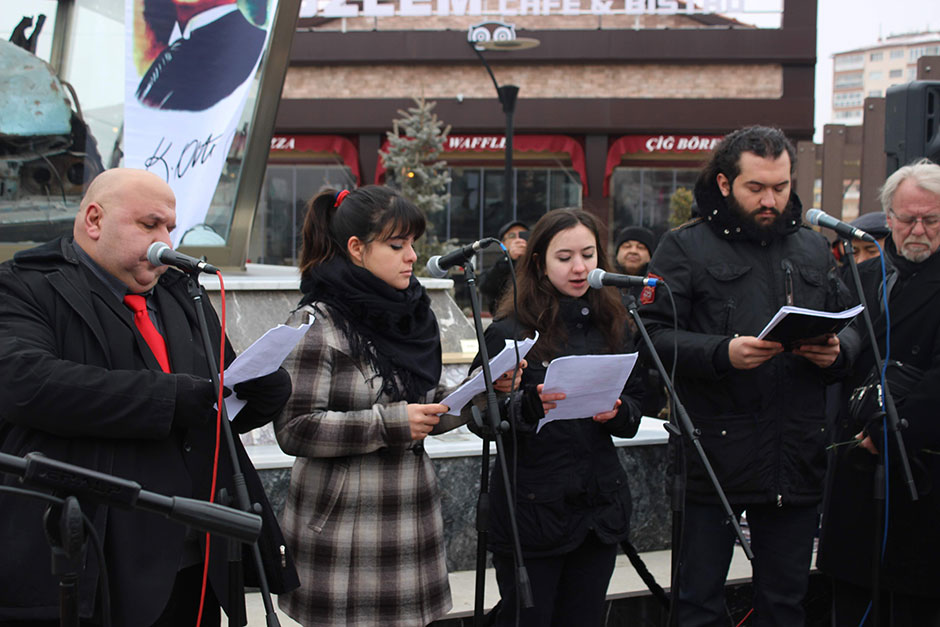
(746, 616)
(215, 460)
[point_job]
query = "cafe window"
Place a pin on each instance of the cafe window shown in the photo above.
(476, 208)
(641, 196)
(276, 233)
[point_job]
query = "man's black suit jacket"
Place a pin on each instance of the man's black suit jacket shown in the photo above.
(79, 384)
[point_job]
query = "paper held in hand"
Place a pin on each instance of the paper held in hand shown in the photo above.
(591, 383)
(503, 362)
(263, 357)
(792, 326)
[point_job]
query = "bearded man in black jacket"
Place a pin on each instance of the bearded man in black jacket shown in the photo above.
(760, 408)
(87, 381)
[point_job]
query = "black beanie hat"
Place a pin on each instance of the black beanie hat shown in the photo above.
(509, 225)
(638, 234)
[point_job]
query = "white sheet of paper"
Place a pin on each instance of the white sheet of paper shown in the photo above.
(503, 362)
(591, 383)
(264, 356)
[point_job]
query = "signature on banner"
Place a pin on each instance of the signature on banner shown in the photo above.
(194, 153)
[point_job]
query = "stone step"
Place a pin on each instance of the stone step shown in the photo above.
(624, 583)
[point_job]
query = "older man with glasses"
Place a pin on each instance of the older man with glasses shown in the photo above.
(909, 590)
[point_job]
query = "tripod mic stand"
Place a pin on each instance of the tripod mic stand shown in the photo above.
(63, 523)
(241, 497)
(894, 425)
(491, 428)
(683, 427)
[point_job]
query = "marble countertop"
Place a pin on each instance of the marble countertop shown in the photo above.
(259, 276)
(458, 443)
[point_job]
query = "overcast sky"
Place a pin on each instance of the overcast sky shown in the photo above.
(847, 24)
(843, 25)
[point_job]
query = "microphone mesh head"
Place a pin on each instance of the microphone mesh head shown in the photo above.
(813, 215)
(153, 253)
(596, 278)
(434, 269)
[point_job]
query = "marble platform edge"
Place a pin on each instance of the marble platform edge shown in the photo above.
(459, 443)
(259, 276)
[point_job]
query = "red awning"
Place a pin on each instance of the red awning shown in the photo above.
(658, 145)
(333, 144)
(496, 144)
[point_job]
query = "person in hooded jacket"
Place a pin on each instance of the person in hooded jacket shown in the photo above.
(759, 406)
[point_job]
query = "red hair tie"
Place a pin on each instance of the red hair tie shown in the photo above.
(339, 197)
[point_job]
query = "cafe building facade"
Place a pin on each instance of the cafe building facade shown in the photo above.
(618, 106)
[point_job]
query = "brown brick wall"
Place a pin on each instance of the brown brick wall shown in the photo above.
(537, 81)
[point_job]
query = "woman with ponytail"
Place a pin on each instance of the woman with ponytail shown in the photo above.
(363, 516)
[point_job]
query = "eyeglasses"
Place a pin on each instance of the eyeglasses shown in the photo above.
(928, 222)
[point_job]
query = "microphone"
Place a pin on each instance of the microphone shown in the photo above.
(818, 217)
(159, 254)
(438, 265)
(597, 279)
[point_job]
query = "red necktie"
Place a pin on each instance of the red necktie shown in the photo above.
(138, 305)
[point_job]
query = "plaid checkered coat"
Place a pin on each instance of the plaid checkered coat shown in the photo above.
(363, 514)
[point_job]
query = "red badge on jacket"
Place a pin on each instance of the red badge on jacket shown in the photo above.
(648, 295)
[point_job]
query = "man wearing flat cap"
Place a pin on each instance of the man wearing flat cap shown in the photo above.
(495, 280)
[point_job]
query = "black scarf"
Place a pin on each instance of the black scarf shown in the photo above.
(393, 331)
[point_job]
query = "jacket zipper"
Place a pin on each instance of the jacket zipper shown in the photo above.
(788, 280)
(729, 315)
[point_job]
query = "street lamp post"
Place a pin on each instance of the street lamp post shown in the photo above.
(503, 38)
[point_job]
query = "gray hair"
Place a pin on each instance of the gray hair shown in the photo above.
(925, 173)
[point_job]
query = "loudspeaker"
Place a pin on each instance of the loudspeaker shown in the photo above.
(912, 123)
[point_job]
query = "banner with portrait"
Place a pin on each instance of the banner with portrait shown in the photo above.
(188, 67)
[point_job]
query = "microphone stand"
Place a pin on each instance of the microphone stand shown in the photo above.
(63, 523)
(241, 498)
(492, 428)
(894, 425)
(683, 426)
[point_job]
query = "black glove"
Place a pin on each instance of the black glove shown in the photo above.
(195, 398)
(265, 396)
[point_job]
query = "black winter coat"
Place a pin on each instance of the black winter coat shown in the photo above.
(80, 385)
(763, 430)
(569, 480)
(847, 539)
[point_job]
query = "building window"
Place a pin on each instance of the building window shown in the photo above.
(876, 56)
(476, 200)
(875, 93)
(895, 73)
(848, 115)
(849, 62)
(850, 79)
(911, 73)
(897, 53)
(877, 75)
(276, 233)
(641, 196)
(847, 100)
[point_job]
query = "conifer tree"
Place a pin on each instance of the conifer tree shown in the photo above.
(412, 161)
(413, 165)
